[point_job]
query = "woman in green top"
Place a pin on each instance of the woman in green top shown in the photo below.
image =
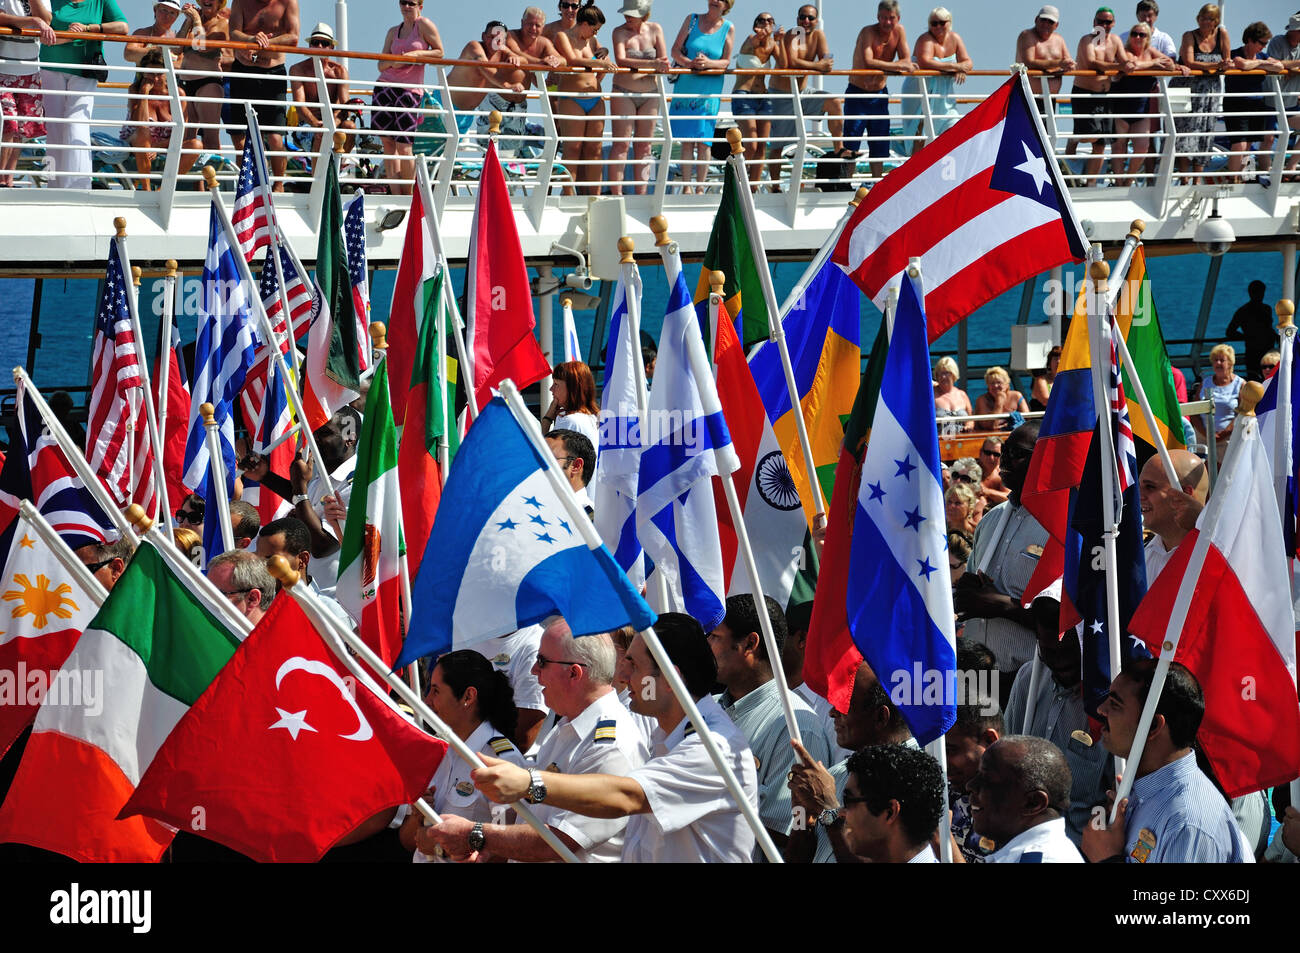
(68, 94)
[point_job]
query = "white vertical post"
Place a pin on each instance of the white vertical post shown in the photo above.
(546, 332)
(217, 466)
(164, 380)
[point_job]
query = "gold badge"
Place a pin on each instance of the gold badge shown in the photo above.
(1034, 550)
(465, 788)
(1146, 843)
(501, 659)
(554, 767)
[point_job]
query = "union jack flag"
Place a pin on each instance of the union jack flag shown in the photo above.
(1125, 449)
(253, 213)
(354, 234)
(117, 440)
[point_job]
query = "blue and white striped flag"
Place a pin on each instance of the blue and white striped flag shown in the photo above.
(685, 443)
(900, 588)
(572, 347)
(223, 354)
(613, 488)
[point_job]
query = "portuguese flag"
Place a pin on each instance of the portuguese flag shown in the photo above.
(731, 253)
(157, 645)
(372, 553)
(427, 421)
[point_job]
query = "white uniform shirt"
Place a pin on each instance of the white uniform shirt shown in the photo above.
(923, 856)
(454, 792)
(1156, 557)
(693, 818)
(1041, 844)
(645, 725)
(603, 739)
(514, 654)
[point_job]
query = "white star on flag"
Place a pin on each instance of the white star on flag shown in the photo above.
(1034, 167)
(292, 722)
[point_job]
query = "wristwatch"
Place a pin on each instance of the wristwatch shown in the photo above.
(476, 837)
(831, 817)
(536, 793)
(299, 498)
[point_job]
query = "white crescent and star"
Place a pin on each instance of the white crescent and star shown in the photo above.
(295, 722)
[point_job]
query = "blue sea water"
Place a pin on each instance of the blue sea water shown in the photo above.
(68, 306)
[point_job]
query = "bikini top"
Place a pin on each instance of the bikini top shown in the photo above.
(749, 61)
(639, 54)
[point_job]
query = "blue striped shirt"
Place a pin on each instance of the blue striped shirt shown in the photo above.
(1175, 815)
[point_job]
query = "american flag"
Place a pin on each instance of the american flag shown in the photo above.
(299, 295)
(117, 440)
(253, 211)
(223, 355)
(37, 470)
(354, 234)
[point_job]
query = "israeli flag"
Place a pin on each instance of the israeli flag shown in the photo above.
(685, 443)
(505, 553)
(223, 355)
(613, 488)
(900, 588)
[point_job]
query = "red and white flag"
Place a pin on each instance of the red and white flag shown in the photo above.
(983, 206)
(1239, 639)
(175, 424)
(500, 318)
(285, 751)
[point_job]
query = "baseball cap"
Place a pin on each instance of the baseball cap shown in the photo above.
(1049, 12)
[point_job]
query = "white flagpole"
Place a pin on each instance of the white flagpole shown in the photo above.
(164, 378)
(823, 253)
(76, 459)
(555, 477)
(457, 322)
(717, 281)
(60, 551)
(776, 331)
(259, 313)
(632, 281)
(151, 422)
(667, 253)
(217, 464)
(326, 624)
(571, 350)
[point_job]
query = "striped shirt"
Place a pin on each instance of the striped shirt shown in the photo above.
(1008, 542)
(1175, 815)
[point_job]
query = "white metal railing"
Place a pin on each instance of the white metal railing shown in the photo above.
(545, 159)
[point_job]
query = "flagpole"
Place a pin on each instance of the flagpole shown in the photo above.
(528, 424)
(632, 279)
(1250, 394)
(717, 280)
(567, 319)
(1284, 462)
(76, 459)
(776, 331)
(277, 239)
(218, 463)
(151, 422)
(823, 253)
(164, 379)
(1122, 265)
(471, 279)
(457, 322)
(938, 749)
(147, 529)
(60, 551)
(259, 312)
(324, 622)
(667, 250)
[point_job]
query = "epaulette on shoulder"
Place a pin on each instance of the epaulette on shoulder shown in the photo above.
(605, 731)
(501, 744)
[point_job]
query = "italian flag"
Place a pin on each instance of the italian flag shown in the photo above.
(157, 645)
(332, 372)
(428, 418)
(369, 586)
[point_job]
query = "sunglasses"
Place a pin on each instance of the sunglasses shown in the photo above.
(568, 6)
(938, 22)
(962, 478)
(807, 16)
(1105, 22)
(407, 3)
(995, 454)
(764, 20)
(95, 567)
(326, 43)
(189, 516)
(543, 661)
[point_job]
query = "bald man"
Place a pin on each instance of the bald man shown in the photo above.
(1170, 513)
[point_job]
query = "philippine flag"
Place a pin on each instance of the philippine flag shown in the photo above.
(503, 532)
(900, 589)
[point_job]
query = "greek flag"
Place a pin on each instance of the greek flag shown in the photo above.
(899, 588)
(613, 489)
(223, 354)
(685, 443)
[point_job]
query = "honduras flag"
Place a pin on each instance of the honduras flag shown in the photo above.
(613, 487)
(502, 532)
(223, 355)
(685, 442)
(900, 589)
(1266, 411)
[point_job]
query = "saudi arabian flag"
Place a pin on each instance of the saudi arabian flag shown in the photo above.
(144, 659)
(731, 253)
(370, 563)
(1136, 313)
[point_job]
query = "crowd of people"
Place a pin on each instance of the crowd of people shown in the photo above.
(1119, 111)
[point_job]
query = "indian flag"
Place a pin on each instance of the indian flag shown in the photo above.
(156, 644)
(370, 563)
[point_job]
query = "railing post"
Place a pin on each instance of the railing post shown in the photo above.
(800, 151)
(1279, 148)
(665, 150)
(171, 166)
(927, 117)
(316, 198)
(1165, 169)
(545, 167)
(1049, 109)
(450, 147)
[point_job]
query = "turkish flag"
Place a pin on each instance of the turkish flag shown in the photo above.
(285, 753)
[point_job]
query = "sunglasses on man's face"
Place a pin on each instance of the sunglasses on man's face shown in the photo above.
(189, 516)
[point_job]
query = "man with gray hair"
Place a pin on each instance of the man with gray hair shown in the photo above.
(107, 561)
(1019, 797)
(595, 735)
(243, 578)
